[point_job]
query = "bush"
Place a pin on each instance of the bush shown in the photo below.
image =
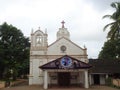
(109, 81)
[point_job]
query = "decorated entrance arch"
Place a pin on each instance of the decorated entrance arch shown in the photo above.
(64, 70)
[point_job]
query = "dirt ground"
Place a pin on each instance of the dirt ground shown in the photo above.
(26, 87)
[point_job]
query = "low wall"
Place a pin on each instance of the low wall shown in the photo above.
(14, 83)
(116, 82)
(2, 84)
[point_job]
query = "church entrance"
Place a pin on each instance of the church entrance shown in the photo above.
(64, 78)
(96, 79)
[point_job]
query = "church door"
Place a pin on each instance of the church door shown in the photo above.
(96, 79)
(64, 79)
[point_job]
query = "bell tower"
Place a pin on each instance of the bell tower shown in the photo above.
(63, 32)
(38, 53)
(39, 40)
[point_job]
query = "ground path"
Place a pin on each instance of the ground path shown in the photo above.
(25, 86)
(40, 88)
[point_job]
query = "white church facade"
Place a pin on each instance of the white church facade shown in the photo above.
(62, 63)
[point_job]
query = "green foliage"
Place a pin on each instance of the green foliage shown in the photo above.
(108, 81)
(114, 32)
(14, 48)
(110, 50)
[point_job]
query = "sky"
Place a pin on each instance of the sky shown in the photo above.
(83, 19)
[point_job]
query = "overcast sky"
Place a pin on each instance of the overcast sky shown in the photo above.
(83, 18)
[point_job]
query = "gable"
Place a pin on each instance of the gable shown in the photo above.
(66, 62)
(71, 48)
(38, 32)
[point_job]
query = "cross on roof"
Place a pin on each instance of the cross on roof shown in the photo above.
(63, 23)
(38, 28)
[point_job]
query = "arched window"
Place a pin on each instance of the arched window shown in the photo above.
(39, 40)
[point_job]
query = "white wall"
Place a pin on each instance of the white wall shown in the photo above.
(102, 79)
(82, 77)
(53, 78)
(72, 49)
(36, 74)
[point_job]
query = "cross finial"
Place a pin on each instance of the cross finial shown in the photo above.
(32, 31)
(38, 28)
(63, 23)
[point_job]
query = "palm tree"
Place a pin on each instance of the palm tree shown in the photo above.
(114, 32)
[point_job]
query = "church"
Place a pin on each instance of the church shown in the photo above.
(62, 63)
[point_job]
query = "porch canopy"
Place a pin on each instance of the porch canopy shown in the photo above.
(65, 64)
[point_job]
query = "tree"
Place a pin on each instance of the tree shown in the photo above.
(13, 48)
(114, 32)
(110, 50)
